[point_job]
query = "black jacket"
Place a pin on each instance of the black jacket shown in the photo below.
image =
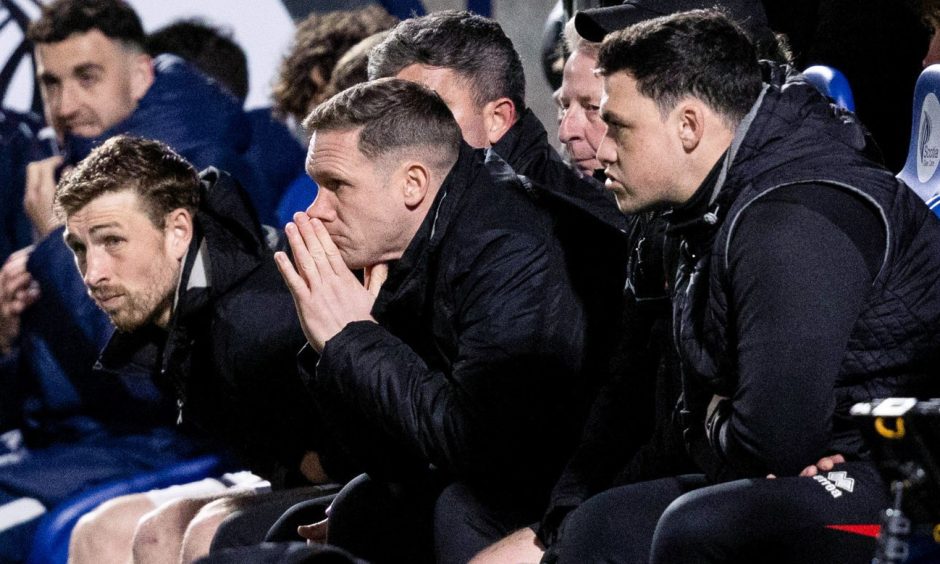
(792, 137)
(477, 364)
(621, 257)
(228, 356)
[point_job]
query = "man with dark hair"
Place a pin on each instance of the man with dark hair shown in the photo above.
(211, 49)
(94, 48)
(771, 358)
(467, 60)
(471, 357)
(459, 53)
(98, 80)
(614, 448)
(185, 274)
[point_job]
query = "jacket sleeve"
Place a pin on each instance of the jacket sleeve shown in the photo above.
(494, 406)
(798, 281)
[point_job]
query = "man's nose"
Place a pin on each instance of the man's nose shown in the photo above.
(68, 102)
(570, 128)
(96, 268)
(607, 151)
(323, 207)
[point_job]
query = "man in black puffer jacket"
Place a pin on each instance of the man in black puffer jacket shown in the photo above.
(472, 356)
(806, 282)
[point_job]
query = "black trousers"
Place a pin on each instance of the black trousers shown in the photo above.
(253, 515)
(466, 522)
(828, 518)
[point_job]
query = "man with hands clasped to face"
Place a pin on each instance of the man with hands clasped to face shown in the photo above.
(460, 357)
(327, 293)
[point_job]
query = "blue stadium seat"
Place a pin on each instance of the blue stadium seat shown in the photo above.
(920, 172)
(51, 543)
(832, 83)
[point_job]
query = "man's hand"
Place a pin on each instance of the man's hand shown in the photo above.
(315, 533)
(18, 291)
(824, 464)
(326, 293)
(521, 546)
(40, 193)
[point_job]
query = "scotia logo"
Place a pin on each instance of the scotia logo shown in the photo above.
(836, 483)
(928, 138)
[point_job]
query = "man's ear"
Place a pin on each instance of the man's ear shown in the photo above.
(498, 116)
(178, 232)
(690, 123)
(416, 183)
(141, 75)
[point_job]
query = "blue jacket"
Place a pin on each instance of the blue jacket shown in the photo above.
(275, 153)
(17, 132)
(201, 121)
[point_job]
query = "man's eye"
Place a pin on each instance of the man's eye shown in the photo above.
(87, 79)
(112, 241)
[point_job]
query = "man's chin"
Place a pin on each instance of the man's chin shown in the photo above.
(125, 323)
(625, 203)
(86, 131)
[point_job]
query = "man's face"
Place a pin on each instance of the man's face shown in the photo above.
(641, 151)
(356, 201)
(581, 128)
(89, 82)
(455, 92)
(128, 264)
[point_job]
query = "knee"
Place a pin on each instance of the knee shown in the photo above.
(106, 533)
(160, 532)
(453, 506)
(199, 534)
(687, 524)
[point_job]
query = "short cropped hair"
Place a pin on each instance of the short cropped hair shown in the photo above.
(700, 53)
(115, 19)
(474, 47)
(319, 41)
(163, 179)
(209, 48)
(394, 115)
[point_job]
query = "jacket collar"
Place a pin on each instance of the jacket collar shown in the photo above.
(408, 275)
(523, 141)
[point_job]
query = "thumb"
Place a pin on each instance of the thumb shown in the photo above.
(315, 532)
(375, 276)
